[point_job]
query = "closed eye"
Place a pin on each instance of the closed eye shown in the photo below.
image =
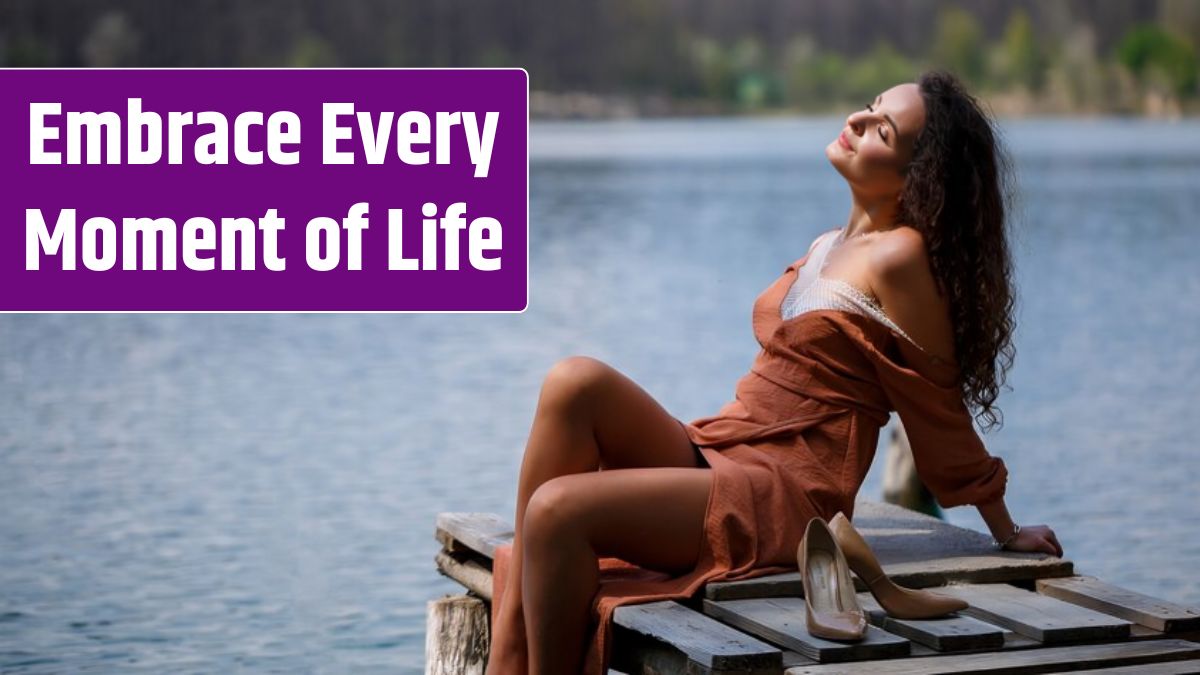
(882, 133)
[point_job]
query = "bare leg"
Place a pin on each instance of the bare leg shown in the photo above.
(653, 518)
(588, 416)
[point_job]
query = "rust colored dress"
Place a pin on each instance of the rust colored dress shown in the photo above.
(797, 442)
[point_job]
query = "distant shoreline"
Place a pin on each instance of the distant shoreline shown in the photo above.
(578, 105)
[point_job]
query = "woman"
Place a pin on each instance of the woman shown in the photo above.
(906, 308)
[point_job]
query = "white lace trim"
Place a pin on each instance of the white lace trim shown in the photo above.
(812, 291)
(829, 293)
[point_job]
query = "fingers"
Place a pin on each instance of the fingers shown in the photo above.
(1042, 540)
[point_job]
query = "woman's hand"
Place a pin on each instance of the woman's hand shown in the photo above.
(1036, 539)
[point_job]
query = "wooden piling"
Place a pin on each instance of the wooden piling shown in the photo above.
(457, 638)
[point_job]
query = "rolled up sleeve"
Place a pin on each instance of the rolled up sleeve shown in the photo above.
(949, 455)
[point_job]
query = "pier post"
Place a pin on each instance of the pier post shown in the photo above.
(457, 637)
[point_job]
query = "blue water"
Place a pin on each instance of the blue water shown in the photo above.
(205, 493)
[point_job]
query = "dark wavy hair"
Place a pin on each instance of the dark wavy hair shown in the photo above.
(957, 194)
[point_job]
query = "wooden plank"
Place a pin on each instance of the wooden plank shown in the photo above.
(466, 571)
(641, 655)
(795, 658)
(1172, 668)
(956, 632)
(787, 584)
(1090, 592)
(479, 532)
(1139, 632)
(1038, 616)
(782, 622)
(916, 551)
(706, 642)
(1045, 660)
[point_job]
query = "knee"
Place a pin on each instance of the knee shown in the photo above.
(550, 514)
(572, 378)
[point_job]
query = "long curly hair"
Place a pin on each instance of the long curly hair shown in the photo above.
(957, 193)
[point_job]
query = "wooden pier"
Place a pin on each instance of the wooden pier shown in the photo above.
(1029, 613)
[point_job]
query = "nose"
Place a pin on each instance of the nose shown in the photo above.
(857, 121)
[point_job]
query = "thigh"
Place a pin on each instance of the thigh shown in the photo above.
(653, 518)
(631, 428)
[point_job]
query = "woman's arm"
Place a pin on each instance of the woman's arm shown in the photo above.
(995, 514)
(1037, 538)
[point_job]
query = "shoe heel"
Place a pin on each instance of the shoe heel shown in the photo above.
(896, 600)
(832, 610)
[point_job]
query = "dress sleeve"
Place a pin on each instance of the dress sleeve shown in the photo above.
(949, 455)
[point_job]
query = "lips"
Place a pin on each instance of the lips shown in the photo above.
(842, 141)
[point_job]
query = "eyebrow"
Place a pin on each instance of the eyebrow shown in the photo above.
(895, 129)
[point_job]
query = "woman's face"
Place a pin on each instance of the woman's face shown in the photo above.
(877, 142)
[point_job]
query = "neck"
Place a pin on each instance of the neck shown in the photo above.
(867, 216)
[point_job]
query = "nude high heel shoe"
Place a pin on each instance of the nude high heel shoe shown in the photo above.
(830, 604)
(897, 601)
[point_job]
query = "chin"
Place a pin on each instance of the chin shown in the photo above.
(836, 158)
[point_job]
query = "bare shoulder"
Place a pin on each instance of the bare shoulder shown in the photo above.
(898, 254)
(898, 264)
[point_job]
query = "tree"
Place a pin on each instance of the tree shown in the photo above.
(813, 79)
(880, 69)
(958, 45)
(714, 69)
(1023, 61)
(1152, 53)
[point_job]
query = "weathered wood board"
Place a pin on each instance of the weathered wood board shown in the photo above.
(705, 641)
(1171, 668)
(956, 632)
(1037, 616)
(479, 532)
(466, 571)
(1044, 660)
(782, 621)
(1090, 592)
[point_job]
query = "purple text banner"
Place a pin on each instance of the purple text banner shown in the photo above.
(264, 190)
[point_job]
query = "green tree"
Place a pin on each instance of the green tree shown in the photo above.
(1152, 53)
(958, 44)
(311, 51)
(1023, 61)
(714, 68)
(27, 51)
(880, 69)
(812, 79)
(754, 86)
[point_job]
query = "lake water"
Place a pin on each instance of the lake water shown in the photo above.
(206, 493)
